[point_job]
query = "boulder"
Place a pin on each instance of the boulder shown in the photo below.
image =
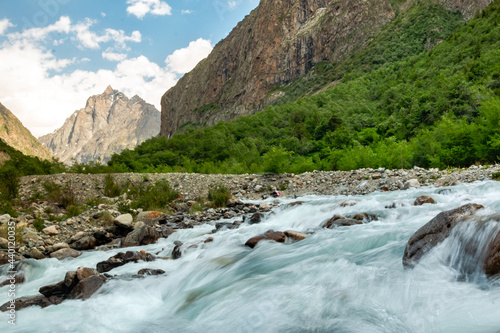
(87, 287)
(411, 183)
(121, 259)
(83, 272)
(79, 235)
(142, 236)
(492, 262)
(5, 218)
(84, 243)
(348, 203)
(276, 236)
(149, 271)
(340, 221)
(176, 252)
(18, 278)
(256, 218)
(149, 217)
(65, 253)
(264, 206)
(60, 290)
(366, 217)
(27, 301)
(124, 220)
(4, 243)
(424, 199)
(36, 254)
(51, 231)
(434, 232)
(59, 246)
(295, 235)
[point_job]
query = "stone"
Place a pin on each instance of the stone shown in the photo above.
(59, 289)
(65, 253)
(295, 235)
(424, 199)
(348, 204)
(176, 252)
(84, 272)
(59, 246)
(376, 175)
(434, 232)
(264, 206)
(87, 287)
(365, 217)
(36, 254)
(5, 218)
(4, 244)
(295, 203)
(70, 279)
(209, 240)
(27, 301)
(51, 231)
(84, 243)
(149, 217)
(149, 271)
(341, 223)
(124, 220)
(276, 236)
(142, 236)
(411, 183)
(256, 218)
(492, 262)
(122, 258)
(18, 278)
(79, 235)
(139, 224)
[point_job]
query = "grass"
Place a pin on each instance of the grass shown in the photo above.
(18, 233)
(219, 195)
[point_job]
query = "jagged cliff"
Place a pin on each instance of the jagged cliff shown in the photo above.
(109, 123)
(279, 41)
(19, 137)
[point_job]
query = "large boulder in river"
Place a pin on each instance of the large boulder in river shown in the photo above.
(65, 253)
(87, 287)
(424, 199)
(123, 258)
(434, 232)
(492, 262)
(85, 243)
(276, 236)
(144, 235)
(27, 301)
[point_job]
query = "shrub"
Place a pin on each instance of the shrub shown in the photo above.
(38, 224)
(496, 176)
(74, 210)
(63, 196)
(219, 195)
(111, 189)
(18, 233)
(9, 183)
(150, 197)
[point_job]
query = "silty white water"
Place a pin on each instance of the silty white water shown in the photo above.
(348, 279)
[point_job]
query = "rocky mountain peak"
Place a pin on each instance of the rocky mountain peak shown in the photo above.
(109, 123)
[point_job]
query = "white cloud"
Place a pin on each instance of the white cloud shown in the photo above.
(43, 100)
(4, 25)
(231, 4)
(186, 11)
(103, 14)
(112, 56)
(184, 60)
(140, 8)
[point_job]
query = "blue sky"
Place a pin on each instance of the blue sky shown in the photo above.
(54, 54)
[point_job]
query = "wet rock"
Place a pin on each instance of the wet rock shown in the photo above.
(209, 240)
(87, 287)
(70, 279)
(124, 221)
(65, 253)
(142, 236)
(102, 237)
(149, 271)
(255, 218)
(122, 258)
(434, 232)
(365, 217)
(59, 289)
(224, 225)
(36, 254)
(84, 243)
(411, 183)
(176, 252)
(295, 235)
(51, 231)
(424, 199)
(276, 236)
(264, 206)
(341, 223)
(167, 232)
(16, 279)
(26, 302)
(295, 203)
(348, 204)
(492, 263)
(85, 272)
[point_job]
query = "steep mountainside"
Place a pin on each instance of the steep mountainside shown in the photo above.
(278, 42)
(109, 123)
(16, 135)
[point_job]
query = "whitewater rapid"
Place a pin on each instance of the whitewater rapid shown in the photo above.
(348, 279)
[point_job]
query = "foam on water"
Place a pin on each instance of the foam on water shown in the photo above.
(348, 279)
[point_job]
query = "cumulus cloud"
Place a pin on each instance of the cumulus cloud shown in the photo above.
(186, 11)
(140, 8)
(184, 60)
(4, 25)
(232, 4)
(39, 89)
(113, 56)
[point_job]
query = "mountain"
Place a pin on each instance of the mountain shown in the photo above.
(108, 124)
(279, 41)
(16, 135)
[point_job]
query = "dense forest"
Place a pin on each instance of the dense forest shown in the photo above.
(425, 92)
(395, 104)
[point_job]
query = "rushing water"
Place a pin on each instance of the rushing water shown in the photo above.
(348, 279)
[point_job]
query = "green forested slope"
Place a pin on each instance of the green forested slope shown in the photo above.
(395, 106)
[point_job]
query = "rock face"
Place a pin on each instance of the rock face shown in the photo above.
(277, 42)
(434, 232)
(109, 123)
(19, 137)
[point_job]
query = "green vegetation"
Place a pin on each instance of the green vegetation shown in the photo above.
(111, 189)
(219, 195)
(9, 183)
(438, 108)
(152, 196)
(64, 196)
